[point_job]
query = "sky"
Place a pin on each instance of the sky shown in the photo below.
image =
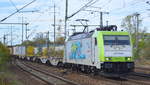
(42, 19)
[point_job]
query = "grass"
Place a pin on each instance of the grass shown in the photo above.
(7, 77)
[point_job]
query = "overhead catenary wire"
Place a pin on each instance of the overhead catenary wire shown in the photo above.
(16, 11)
(90, 3)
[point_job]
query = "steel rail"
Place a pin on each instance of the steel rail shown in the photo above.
(22, 68)
(69, 82)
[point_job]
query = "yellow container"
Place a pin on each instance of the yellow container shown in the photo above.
(30, 51)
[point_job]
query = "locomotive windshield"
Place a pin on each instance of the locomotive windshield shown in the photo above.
(116, 40)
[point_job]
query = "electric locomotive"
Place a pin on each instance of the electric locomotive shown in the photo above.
(104, 50)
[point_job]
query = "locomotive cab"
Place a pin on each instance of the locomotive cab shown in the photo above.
(117, 54)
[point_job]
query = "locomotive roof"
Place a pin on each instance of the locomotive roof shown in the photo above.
(81, 35)
(94, 33)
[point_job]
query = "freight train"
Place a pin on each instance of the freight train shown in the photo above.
(103, 50)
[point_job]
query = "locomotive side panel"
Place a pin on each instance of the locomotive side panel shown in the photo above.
(80, 52)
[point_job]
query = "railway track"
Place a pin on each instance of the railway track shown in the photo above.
(133, 79)
(143, 68)
(141, 74)
(138, 78)
(47, 77)
(80, 77)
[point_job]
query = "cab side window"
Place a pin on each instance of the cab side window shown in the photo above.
(95, 41)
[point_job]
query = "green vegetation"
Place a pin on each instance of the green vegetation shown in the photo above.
(129, 24)
(141, 50)
(4, 54)
(60, 40)
(5, 74)
(39, 41)
(144, 57)
(145, 50)
(7, 77)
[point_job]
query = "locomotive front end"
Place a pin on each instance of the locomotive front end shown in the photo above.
(117, 55)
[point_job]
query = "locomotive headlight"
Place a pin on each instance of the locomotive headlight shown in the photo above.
(108, 59)
(128, 59)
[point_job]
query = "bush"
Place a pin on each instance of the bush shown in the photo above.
(4, 54)
(145, 50)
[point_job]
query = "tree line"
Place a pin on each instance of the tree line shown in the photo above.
(129, 23)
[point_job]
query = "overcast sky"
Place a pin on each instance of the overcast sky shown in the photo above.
(42, 19)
